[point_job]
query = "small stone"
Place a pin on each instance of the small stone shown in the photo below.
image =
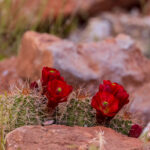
(49, 122)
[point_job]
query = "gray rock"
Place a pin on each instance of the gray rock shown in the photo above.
(111, 24)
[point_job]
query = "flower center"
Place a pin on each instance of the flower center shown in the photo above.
(59, 89)
(113, 84)
(105, 103)
(52, 71)
(104, 110)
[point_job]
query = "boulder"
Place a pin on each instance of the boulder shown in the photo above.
(8, 75)
(140, 105)
(111, 24)
(57, 137)
(33, 54)
(87, 64)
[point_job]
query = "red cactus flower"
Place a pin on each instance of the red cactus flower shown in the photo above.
(57, 92)
(117, 90)
(110, 98)
(49, 74)
(135, 131)
(106, 103)
(33, 85)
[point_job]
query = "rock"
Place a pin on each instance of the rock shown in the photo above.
(8, 75)
(33, 54)
(96, 30)
(133, 24)
(58, 137)
(86, 64)
(140, 105)
(111, 24)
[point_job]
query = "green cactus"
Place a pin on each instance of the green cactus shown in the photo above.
(76, 112)
(18, 109)
(120, 125)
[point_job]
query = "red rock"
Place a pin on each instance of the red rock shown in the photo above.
(140, 105)
(56, 137)
(8, 75)
(86, 64)
(33, 54)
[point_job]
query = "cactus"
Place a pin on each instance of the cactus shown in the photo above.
(20, 109)
(76, 112)
(120, 125)
(29, 108)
